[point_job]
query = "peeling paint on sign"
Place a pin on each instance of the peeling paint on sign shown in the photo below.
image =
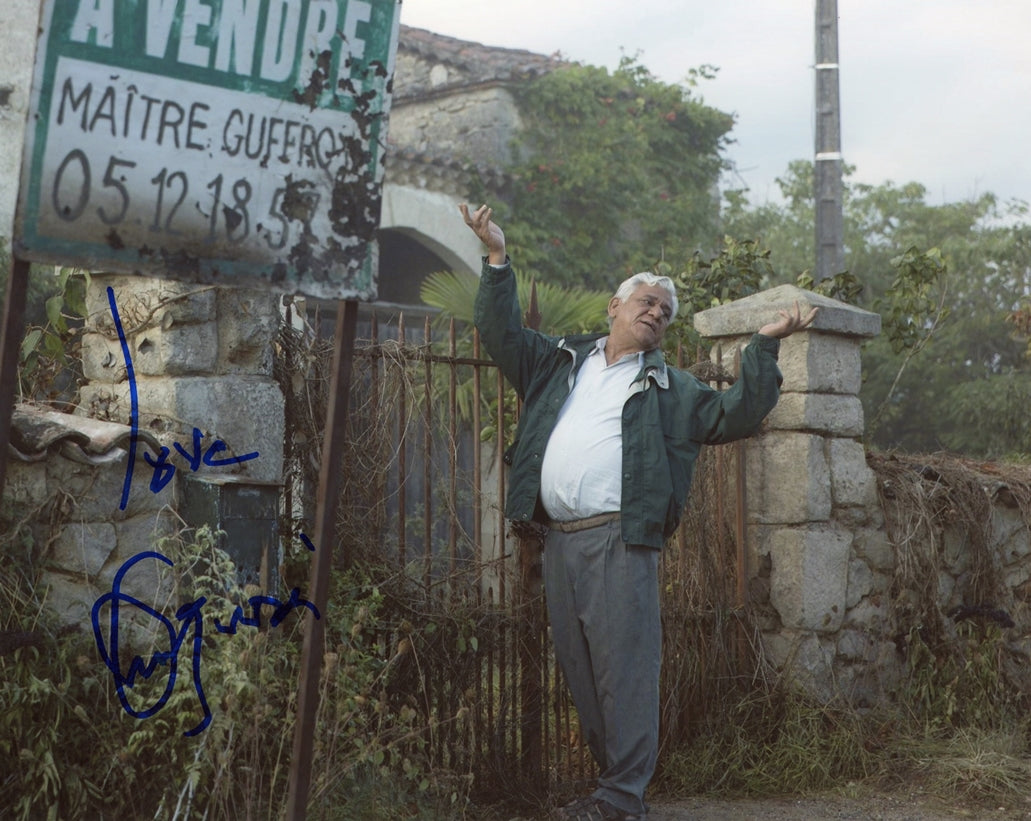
(211, 140)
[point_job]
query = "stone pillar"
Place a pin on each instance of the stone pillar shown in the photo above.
(807, 482)
(202, 357)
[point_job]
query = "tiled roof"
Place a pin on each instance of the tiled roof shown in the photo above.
(37, 431)
(476, 63)
(405, 164)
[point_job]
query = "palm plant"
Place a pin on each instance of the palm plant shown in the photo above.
(562, 309)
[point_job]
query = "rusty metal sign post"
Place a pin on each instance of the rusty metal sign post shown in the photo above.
(214, 141)
(10, 343)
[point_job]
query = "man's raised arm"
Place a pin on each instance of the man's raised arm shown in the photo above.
(488, 231)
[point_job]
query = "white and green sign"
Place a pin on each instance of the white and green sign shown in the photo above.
(226, 141)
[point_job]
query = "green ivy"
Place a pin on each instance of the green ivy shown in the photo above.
(50, 362)
(914, 303)
(610, 169)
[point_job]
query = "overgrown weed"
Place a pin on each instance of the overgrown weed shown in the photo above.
(771, 743)
(68, 750)
(954, 730)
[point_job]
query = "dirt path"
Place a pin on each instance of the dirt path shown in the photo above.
(874, 807)
(868, 804)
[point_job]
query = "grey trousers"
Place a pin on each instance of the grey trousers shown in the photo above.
(603, 603)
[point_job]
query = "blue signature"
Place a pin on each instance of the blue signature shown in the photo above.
(163, 469)
(190, 619)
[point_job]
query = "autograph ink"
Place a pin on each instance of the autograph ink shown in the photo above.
(163, 469)
(134, 399)
(191, 618)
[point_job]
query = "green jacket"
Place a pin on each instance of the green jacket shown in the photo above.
(667, 417)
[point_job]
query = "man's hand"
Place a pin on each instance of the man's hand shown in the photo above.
(788, 323)
(488, 231)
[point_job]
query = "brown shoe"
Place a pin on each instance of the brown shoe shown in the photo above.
(596, 809)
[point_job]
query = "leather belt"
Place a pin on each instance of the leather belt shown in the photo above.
(576, 525)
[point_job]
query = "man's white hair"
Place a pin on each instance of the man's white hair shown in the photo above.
(627, 288)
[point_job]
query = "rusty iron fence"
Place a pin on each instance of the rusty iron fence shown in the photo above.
(429, 424)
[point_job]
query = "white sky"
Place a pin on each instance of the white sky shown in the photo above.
(936, 91)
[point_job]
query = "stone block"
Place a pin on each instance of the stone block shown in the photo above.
(865, 680)
(108, 402)
(956, 550)
(102, 359)
(835, 414)
(947, 593)
(69, 598)
(26, 482)
(757, 549)
(1017, 575)
(83, 548)
(1010, 534)
(854, 518)
(805, 660)
(175, 351)
(860, 582)
(477, 125)
(170, 326)
(872, 614)
(151, 581)
(809, 579)
(96, 490)
(142, 533)
(889, 666)
(853, 484)
(747, 315)
(874, 546)
(788, 478)
(856, 647)
(248, 321)
(147, 302)
(820, 363)
(822, 359)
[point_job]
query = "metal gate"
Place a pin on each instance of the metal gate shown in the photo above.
(424, 489)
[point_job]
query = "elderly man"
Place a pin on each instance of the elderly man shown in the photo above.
(603, 456)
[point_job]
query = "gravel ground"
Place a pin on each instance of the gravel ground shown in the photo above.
(866, 805)
(873, 807)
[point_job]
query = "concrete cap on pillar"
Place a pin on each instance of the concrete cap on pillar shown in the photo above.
(745, 316)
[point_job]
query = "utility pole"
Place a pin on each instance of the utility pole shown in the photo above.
(830, 254)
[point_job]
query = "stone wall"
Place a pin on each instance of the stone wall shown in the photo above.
(202, 358)
(66, 506)
(477, 125)
(454, 99)
(825, 567)
(206, 397)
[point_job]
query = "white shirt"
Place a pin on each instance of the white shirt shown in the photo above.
(581, 474)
